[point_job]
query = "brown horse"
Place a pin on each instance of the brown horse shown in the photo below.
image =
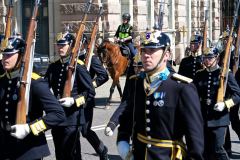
(110, 55)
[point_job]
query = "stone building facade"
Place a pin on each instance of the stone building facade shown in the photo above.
(181, 18)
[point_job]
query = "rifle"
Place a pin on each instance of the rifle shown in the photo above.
(225, 68)
(91, 45)
(9, 19)
(204, 46)
(26, 68)
(236, 54)
(74, 56)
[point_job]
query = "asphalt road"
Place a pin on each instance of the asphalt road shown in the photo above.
(101, 117)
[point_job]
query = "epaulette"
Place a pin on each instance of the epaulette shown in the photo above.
(2, 75)
(35, 76)
(134, 76)
(80, 62)
(182, 78)
(139, 75)
(200, 70)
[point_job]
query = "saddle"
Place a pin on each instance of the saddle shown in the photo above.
(125, 50)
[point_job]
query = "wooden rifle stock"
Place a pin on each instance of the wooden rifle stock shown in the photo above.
(236, 54)
(25, 80)
(91, 44)
(225, 67)
(9, 19)
(204, 46)
(74, 54)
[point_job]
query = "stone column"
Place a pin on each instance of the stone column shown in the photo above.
(2, 15)
(112, 17)
(54, 24)
(181, 33)
(139, 16)
(216, 20)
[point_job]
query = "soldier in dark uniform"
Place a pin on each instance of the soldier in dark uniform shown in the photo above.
(189, 65)
(99, 76)
(66, 136)
(221, 45)
(215, 114)
(24, 141)
(164, 107)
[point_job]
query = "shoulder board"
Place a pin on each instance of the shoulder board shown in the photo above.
(2, 75)
(80, 62)
(200, 70)
(139, 75)
(133, 77)
(182, 78)
(35, 76)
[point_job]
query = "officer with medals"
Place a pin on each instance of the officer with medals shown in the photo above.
(215, 114)
(24, 141)
(66, 136)
(191, 64)
(164, 108)
(99, 76)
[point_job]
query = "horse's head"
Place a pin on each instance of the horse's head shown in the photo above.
(102, 50)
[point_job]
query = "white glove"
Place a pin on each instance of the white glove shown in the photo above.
(67, 101)
(219, 106)
(122, 40)
(123, 149)
(115, 39)
(20, 131)
(108, 131)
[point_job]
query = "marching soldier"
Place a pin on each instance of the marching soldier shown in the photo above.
(24, 141)
(221, 45)
(189, 65)
(165, 108)
(215, 114)
(66, 136)
(234, 112)
(99, 76)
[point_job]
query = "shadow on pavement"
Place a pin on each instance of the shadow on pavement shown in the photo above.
(238, 142)
(111, 157)
(103, 101)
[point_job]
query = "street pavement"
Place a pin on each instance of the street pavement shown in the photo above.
(101, 117)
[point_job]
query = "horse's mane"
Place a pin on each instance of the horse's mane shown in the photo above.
(107, 41)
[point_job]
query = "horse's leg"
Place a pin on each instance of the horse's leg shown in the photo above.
(119, 89)
(111, 93)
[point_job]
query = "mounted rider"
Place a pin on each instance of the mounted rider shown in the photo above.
(124, 34)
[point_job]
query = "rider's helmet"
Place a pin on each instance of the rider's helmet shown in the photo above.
(126, 16)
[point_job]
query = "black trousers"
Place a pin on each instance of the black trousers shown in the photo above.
(67, 142)
(235, 123)
(214, 141)
(88, 133)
